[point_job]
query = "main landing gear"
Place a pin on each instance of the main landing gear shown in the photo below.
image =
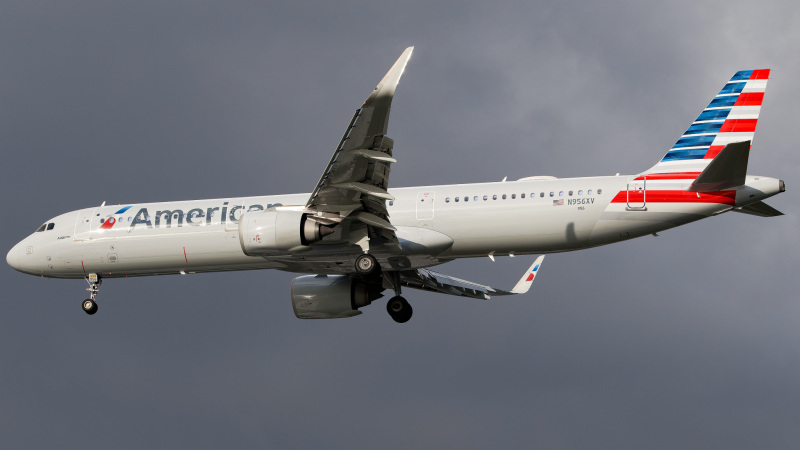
(366, 264)
(90, 305)
(399, 309)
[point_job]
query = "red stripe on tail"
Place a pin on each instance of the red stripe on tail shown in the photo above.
(739, 126)
(750, 99)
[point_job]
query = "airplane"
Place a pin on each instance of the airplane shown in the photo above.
(354, 238)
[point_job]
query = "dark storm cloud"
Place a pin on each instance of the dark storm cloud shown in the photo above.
(689, 338)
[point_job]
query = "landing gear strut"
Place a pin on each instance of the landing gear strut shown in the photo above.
(90, 305)
(399, 309)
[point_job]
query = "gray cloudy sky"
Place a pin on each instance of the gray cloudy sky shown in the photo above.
(688, 340)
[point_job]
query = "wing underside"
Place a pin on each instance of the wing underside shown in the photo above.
(428, 280)
(354, 185)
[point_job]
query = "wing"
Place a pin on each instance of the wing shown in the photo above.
(355, 182)
(427, 280)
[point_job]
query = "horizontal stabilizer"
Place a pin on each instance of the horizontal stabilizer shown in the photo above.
(760, 209)
(727, 170)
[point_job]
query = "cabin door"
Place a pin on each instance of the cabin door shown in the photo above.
(84, 224)
(637, 194)
(425, 202)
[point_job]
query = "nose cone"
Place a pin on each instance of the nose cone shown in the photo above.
(13, 257)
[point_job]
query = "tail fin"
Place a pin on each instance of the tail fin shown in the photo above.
(730, 117)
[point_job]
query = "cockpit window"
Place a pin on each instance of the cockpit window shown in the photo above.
(50, 226)
(41, 228)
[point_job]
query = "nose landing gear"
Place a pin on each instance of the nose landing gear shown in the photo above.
(90, 305)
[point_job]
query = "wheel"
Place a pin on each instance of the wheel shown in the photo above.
(399, 309)
(89, 306)
(366, 264)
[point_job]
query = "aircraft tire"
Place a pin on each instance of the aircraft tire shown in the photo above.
(366, 264)
(89, 306)
(399, 309)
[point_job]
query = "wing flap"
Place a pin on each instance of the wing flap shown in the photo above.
(364, 188)
(375, 155)
(373, 220)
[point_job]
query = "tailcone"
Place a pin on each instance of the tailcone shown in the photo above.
(756, 189)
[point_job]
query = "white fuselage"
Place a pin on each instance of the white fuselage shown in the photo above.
(518, 217)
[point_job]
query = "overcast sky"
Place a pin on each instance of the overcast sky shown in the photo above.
(687, 340)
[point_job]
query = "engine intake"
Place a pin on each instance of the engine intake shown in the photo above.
(330, 296)
(274, 232)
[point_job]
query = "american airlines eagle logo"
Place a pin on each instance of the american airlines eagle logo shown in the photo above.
(110, 221)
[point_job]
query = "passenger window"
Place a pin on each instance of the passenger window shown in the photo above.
(570, 193)
(466, 199)
(504, 196)
(102, 220)
(494, 197)
(447, 200)
(522, 195)
(391, 202)
(599, 191)
(485, 197)
(561, 193)
(589, 192)
(541, 195)
(552, 194)
(456, 199)
(580, 192)
(476, 198)
(513, 196)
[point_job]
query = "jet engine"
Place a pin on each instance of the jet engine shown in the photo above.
(274, 232)
(330, 296)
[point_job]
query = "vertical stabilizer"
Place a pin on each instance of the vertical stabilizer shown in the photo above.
(730, 117)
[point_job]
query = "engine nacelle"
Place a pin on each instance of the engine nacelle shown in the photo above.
(274, 232)
(330, 296)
